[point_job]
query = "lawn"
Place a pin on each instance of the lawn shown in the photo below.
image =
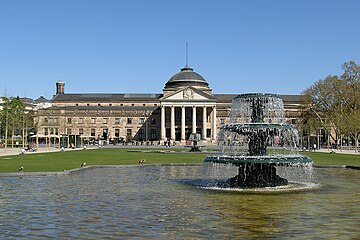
(59, 161)
(321, 158)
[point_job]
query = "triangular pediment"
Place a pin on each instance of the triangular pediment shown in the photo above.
(189, 94)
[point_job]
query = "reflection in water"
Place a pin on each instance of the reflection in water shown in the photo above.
(153, 202)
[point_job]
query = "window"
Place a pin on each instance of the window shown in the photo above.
(93, 120)
(92, 132)
(110, 104)
(105, 120)
(141, 134)
(77, 104)
(222, 121)
(208, 133)
(68, 131)
(141, 120)
(46, 131)
(117, 120)
(81, 131)
(81, 120)
(105, 134)
(153, 120)
(153, 134)
(117, 132)
(69, 120)
(99, 104)
(128, 135)
(129, 120)
(46, 120)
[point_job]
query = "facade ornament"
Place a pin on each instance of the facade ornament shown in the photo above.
(188, 94)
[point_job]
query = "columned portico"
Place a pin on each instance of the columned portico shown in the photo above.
(183, 123)
(214, 125)
(193, 128)
(183, 120)
(187, 107)
(172, 123)
(203, 133)
(162, 128)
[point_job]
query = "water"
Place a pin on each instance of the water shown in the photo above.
(153, 202)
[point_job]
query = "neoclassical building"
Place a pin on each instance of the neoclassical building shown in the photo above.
(186, 105)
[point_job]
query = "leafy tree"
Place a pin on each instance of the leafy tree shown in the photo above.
(336, 101)
(12, 117)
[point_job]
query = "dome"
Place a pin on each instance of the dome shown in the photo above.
(187, 77)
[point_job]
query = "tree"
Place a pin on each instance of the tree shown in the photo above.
(12, 117)
(337, 99)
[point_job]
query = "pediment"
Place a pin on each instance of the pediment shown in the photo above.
(188, 94)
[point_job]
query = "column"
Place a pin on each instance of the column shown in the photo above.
(193, 130)
(163, 130)
(204, 124)
(183, 123)
(214, 124)
(172, 123)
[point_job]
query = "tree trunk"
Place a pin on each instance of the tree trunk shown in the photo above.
(12, 137)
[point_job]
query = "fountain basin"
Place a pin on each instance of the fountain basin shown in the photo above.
(237, 159)
(257, 141)
(152, 202)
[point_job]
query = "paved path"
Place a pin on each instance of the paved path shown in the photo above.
(17, 151)
(338, 151)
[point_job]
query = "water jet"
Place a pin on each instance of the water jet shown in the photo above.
(258, 141)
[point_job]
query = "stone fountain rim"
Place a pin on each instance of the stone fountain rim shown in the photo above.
(278, 159)
(257, 95)
(233, 126)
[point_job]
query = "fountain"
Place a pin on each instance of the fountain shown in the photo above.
(258, 141)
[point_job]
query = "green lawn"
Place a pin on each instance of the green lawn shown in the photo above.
(321, 158)
(59, 161)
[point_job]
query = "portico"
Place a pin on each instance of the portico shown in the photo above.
(179, 119)
(187, 106)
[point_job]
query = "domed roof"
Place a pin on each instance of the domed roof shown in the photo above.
(186, 77)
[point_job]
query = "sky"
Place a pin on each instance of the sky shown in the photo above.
(135, 46)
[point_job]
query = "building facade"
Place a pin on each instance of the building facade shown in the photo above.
(186, 105)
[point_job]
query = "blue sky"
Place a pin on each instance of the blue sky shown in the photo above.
(135, 46)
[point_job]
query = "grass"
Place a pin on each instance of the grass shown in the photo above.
(321, 158)
(59, 161)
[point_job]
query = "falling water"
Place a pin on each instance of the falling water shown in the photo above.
(260, 144)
